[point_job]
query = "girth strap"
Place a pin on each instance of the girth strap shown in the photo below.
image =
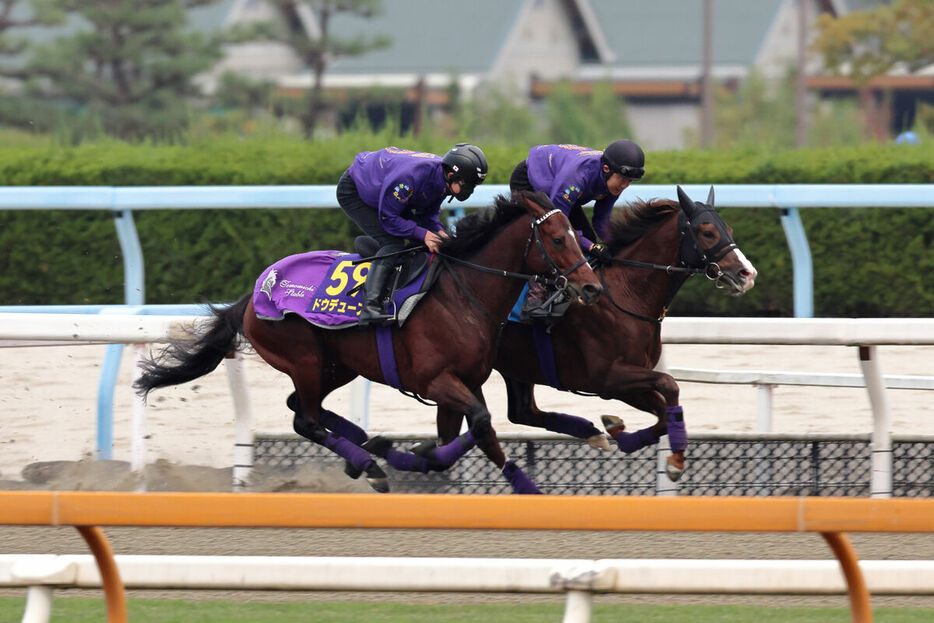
(546, 354)
(387, 358)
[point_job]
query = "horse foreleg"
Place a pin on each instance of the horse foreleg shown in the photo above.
(523, 410)
(657, 393)
(457, 404)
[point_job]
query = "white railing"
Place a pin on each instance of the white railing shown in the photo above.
(865, 334)
(578, 579)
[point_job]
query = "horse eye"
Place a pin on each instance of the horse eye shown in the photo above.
(709, 235)
(558, 242)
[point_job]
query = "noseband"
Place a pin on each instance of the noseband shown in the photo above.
(558, 279)
(695, 257)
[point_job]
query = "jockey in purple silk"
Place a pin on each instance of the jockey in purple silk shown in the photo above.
(395, 195)
(572, 176)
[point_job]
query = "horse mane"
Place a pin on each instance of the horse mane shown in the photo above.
(637, 218)
(476, 229)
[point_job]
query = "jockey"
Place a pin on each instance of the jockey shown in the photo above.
(395, 195)
(572, 176)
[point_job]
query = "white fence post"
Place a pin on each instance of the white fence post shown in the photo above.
(243, 422)
(138, 424)
(881, 484)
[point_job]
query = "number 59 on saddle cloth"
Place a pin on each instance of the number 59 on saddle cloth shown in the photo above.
(325, 288)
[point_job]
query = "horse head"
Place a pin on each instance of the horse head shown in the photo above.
(560, 256)
(707, 244)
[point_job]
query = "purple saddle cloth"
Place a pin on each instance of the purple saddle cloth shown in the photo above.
(324, 288)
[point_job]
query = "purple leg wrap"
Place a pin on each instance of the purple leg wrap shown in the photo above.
(569, 425)
(677, 433)
(406, 461)
(630, 442)
(448, 453)
(342, 428)
(357, 456)
(521, 483)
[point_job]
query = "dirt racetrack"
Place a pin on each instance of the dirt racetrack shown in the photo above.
(47, 398)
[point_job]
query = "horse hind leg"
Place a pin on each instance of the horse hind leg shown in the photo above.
(429, 456)
(308, 422)
(523, 410)
(337, 425)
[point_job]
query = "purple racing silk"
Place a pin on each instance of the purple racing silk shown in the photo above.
(405, 186)
(572, 175)
(323, 287)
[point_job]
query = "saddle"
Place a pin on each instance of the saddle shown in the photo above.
(408, 266)
(325, 287)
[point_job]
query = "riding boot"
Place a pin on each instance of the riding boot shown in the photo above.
(373, 289)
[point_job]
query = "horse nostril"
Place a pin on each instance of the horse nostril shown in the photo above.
(592, 292)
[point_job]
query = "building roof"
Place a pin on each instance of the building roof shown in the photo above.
(670, 32)
(429, 36)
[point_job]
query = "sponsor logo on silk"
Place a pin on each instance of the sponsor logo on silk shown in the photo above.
(402, 192)
(269, 282)
(571, 193)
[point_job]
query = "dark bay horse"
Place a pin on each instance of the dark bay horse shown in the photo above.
(610, 349)
(443, 352)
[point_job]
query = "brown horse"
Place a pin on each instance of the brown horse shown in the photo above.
(443, 352)
(610, 349)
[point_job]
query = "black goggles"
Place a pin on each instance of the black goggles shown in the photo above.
(632, 173)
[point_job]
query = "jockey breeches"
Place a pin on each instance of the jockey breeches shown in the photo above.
(365, 216)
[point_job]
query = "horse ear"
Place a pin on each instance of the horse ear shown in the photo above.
(687, 204)
(537, 203)
(710, 197)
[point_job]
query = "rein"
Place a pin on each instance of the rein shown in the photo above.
(558, 279)
(710, 269)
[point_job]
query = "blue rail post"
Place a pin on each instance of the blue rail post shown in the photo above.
(134, 294)
(801, 263)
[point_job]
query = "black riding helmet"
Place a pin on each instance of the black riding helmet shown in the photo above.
(468, 164)
(624, 157)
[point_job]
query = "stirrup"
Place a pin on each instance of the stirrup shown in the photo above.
(374, 316)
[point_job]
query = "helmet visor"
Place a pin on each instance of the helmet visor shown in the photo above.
(631, 173)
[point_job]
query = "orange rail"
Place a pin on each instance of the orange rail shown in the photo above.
(829, 516)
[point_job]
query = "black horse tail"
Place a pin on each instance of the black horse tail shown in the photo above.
(185, 360)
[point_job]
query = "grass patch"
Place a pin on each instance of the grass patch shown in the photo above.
(67, 610)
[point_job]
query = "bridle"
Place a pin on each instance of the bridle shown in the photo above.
(556, 278)
(692, 259)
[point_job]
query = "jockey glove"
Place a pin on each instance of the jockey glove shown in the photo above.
(599, 252)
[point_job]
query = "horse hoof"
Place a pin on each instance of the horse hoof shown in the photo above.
(352, 471)
(378, 446)
(674, 473)
(376, 478)
(380, 485)
(599, 442)
(674, 467)
(613, 425)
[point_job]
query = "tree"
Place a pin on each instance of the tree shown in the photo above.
(12, 16)
(865, 44)
(132, 65)
(315, 44)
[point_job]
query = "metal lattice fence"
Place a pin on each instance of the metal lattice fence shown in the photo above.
(753, 465)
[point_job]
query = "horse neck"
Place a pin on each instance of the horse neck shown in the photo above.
(645, 290)
(504, 252)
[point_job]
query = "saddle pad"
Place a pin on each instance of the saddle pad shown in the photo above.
(320, 286)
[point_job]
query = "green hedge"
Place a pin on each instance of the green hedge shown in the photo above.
(867, 262)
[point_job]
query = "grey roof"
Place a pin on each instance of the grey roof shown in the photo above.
(430, 36)
(670, 32)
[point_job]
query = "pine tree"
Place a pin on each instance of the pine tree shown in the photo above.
(316, 45)
(131, 64)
